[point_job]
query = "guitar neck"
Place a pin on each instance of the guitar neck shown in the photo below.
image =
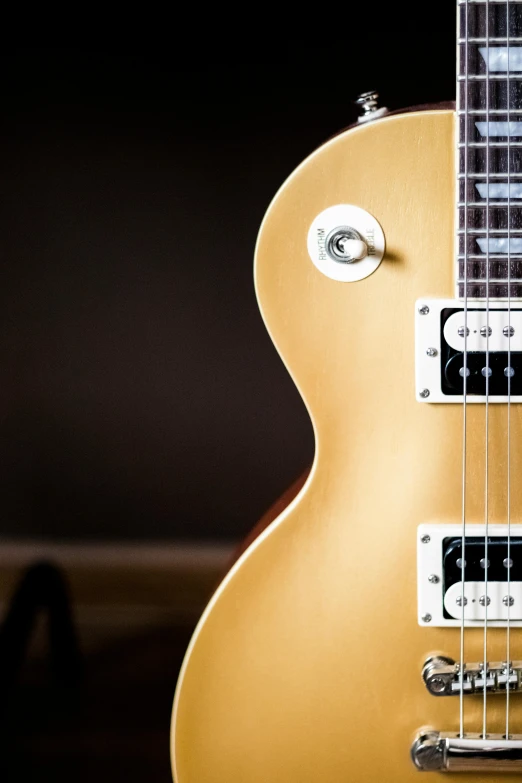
(489, 103)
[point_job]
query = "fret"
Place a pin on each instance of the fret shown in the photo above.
(485, 3)
(484, 231)
(491, 111)
(489, 145)
(491, 39)
(482, 77)
(491, 175)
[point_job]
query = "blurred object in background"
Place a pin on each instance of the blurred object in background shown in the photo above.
(134, 610)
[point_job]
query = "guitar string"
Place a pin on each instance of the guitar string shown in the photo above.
(509, 370)
(487, 375)
(465, 364)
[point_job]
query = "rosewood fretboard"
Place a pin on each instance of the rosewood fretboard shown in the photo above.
(489, 103)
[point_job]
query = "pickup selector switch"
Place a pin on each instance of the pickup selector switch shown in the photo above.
(346, 243)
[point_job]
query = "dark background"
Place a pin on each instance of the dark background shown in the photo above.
(140, 394)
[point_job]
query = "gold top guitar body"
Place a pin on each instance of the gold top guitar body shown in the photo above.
(306, 665)
(374, 629)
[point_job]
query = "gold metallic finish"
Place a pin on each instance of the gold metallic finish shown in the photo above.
(306, 666)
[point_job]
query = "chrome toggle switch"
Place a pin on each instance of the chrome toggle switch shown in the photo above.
(346, 245)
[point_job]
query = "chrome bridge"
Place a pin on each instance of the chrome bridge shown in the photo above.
(433, 751)
(443, 678)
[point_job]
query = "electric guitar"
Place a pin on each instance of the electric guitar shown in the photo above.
(373, 631)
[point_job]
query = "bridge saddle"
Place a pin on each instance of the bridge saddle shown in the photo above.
(442, 677)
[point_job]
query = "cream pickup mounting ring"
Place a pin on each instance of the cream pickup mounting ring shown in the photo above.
(441, 569)
(346, 243)
(482, 345)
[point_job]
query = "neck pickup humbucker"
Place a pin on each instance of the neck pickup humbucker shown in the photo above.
(481, 346)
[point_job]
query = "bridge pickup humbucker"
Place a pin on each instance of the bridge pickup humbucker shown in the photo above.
(440, 572)
(492, 338)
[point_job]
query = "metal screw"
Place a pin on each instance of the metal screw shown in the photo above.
(461, 372)
(425, 539)
(458, 601)
(508, 331)
(507, 562)
(431, 351)
(483, 562)
(437, 685)
(483, 601)
(508, 600)
(509, 372)
(487, 372)
(424, 309)
(434, 579)
(463, 330)
(426, 618)
(486, 331)
(460, 563)
(424, 393)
